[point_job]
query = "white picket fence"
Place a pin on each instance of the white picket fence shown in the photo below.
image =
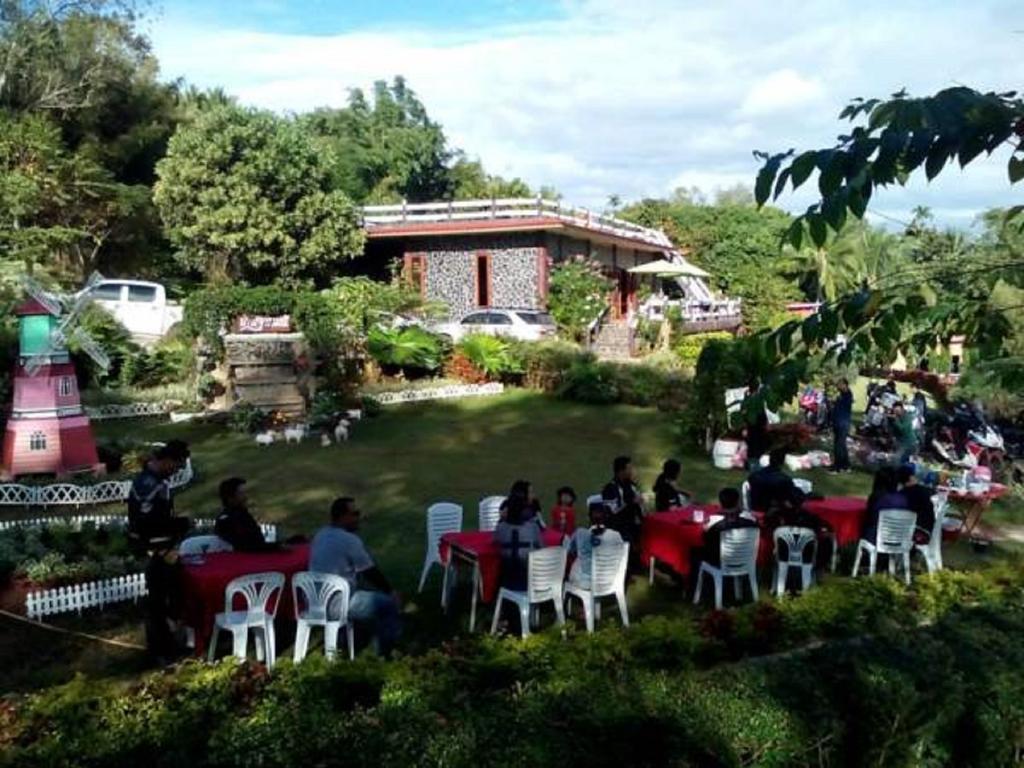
(269, 530)
(127, 411)
(77, 597)
(439, 393)
(70, 494)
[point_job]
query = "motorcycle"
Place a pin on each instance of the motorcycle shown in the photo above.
(815, 408)
(967, 440)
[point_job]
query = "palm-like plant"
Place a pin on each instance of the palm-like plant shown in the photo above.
(490, 354)
(410, 347)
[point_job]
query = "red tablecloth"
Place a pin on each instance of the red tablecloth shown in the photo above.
(995, 491)
(203, 585)
(479, 545)
(671, 536)
(844, 513)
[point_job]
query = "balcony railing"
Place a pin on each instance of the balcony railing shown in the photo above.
(509, 208)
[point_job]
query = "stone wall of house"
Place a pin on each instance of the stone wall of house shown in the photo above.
(451, 269)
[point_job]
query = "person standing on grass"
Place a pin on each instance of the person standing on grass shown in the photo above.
(842, 417)
(235, 524)
(905, 433)
(153, 528)
(622, 496)
(337, 549)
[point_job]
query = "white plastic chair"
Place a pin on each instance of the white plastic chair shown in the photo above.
(258, 590)
(804, 486)
(745, 497)
(442, 518)
(489, 512)
(317, 592)
(202, 545)
(737, 558)
(797, 540)
(932, 551)
(895, 538)
(596, 498)
(607, 579)
(545, 580)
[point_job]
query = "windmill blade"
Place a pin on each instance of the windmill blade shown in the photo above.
(91, 348)
(34, 289)
(82, 299)
(33, 364)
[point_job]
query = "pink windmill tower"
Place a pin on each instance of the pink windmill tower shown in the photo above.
(48, 432)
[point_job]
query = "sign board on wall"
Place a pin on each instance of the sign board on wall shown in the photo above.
(262, 324)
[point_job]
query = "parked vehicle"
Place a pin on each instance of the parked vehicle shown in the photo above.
(521, 324)
(815, 408)
(965, 438)
(141, 307)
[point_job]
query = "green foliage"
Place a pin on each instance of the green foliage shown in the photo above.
(169, 362)
(413, 349)
(547, 362)
(246, 195)
(590, 382)
(246, 419)
(689, 347)
(57, 554)
(113, 338)
(490, 354)
(578, 294)
(360, 302)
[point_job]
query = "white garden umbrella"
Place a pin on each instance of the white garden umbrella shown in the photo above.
(665, 268)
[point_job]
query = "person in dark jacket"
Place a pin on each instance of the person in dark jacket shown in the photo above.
(667, 493)
(919, 501)
(235, 524)
(885, 494)
(623, 498)
(842, 417)
(771, 489)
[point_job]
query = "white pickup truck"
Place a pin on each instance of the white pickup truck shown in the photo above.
(140, 306)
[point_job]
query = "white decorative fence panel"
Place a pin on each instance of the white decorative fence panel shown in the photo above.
(128, 411)
(77, 597)
(269, 530)
(69, 494)
(439, 393)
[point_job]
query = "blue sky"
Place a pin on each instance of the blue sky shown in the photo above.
(625, 97)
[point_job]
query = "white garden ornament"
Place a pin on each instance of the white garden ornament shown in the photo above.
(265, 438)
(295, 433)
(341, 431)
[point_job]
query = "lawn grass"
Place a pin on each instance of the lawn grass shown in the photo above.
(396, 465)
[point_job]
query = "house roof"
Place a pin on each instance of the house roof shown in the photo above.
(31, 307)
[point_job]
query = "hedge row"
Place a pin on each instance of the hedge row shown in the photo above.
(949, 694)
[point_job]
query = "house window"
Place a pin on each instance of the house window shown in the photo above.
(64, 387)
(483, 279)
(37, 441)
(416, 272)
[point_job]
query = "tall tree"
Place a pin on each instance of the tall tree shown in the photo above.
(246, 195)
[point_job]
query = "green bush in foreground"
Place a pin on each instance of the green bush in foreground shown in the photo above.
(885, 691)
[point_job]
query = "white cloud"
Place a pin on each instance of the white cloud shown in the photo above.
(631, 98)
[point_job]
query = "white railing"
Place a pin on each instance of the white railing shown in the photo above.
(77, 597)
(509, 208)
(127, 411)
(70, 494)
(439, 393)
(269, 530)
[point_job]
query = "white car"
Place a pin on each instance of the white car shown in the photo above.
(141, 307)
(521, 324)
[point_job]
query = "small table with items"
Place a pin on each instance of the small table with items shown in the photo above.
(204, 580)
(972, 504)
(478, 550)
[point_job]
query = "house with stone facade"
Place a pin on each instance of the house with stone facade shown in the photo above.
(476, 254)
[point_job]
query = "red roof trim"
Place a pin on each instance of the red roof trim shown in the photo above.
(31, 307)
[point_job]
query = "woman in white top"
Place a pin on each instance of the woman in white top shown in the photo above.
(584, 540)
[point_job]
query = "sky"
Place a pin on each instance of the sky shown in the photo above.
(632, 98)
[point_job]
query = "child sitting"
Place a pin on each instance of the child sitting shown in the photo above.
(563, 514)
(584, 540)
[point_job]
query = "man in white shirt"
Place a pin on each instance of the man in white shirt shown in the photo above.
(337, 549)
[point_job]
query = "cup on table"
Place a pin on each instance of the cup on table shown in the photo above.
(698, 516)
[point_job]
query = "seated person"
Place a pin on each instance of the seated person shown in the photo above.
(337, 549)
(523, 490)
(235, 524)
(919, 501)
(729, 499)
(885, 494)
(667, 493)
(586, 539)
(517, 535)
(771, 489)
(623, 499)
(563, 514)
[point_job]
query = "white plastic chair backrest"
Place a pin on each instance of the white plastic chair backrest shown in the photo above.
(596, 498)
(745, 496)
(738, 549)
(712, 519)
(199, 545)
(443, 517)
(940, 503)
(895, 530)
(796, 540)
(546, 571)
(489, 512)
(257, 590)
(608, 568)
(314, 591)
(804, 486)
